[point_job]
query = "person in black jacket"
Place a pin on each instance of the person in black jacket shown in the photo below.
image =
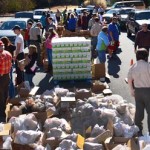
(30, 68)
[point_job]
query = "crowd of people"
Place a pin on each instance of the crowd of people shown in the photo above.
(104, 38)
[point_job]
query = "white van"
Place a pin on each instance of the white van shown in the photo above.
(135, 4)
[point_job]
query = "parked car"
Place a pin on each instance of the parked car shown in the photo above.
(37, 14)
(90, 7)
(79, 11)
(24, 14)
(122, 14)
(109, 14)
(135, 19)
(6, 27)
(136, 4)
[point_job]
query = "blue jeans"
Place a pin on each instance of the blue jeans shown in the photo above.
(49, 55)
(102, 56)
(29, 77)
(11, 85)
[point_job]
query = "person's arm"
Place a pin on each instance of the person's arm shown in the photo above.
(130, 83)
(92, 31)
(32, 61)
(16, 52)
(136, 41)
(111, 35)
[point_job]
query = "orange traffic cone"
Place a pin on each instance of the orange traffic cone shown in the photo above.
(131, 62)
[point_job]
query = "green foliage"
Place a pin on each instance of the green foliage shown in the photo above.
(16, 5)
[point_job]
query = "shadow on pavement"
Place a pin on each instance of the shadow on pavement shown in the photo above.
(114, 66)
(72, 84)
(132, 38)
(118, 51)
(45, 84)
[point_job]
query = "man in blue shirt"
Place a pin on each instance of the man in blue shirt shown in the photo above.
(113, 33)
(102, 44)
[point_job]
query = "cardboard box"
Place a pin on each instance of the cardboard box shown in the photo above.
(10, 113)
(67, 102)
(6, 129)
(16, 100)
(16, 146)
(98, 71)
(109, 146)
(41, 116)
(33, 91)
(98, 87)
(82, 95)
(24, 92)
(120, 140)
(53, 142)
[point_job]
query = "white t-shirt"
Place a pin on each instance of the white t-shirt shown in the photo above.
(19, 39)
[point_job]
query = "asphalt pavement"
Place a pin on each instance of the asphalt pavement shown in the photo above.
(117, 68)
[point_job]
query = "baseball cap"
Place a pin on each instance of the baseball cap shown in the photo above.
(1, 43)
(16, 27)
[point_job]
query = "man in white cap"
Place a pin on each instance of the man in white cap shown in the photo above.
(5, 68)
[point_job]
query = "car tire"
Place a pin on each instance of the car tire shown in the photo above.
(128, 32)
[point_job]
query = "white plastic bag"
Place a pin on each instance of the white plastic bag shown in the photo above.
(26, 137)
(96, 60)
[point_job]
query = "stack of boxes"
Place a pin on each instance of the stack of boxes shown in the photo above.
(71, 58)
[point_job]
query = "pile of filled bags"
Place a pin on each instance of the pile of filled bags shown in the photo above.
(94, 113)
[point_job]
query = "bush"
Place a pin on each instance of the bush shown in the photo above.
(96, 3)
(16, 5)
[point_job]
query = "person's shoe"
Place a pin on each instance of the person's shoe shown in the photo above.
(2, 120)
(139, 134)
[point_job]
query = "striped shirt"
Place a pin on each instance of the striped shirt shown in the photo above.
(5, 62)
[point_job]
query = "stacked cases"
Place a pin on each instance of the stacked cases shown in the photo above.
(71, 58)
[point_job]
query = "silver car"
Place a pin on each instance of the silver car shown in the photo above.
(6, 27)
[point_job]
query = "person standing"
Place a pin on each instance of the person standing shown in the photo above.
(50, 24)
(113, 33)
(92, 21)
(102, 44)
(72, 23)
(43, 21)
(84, 21)
(142, 38)
(26, 34)
(35, 39)
(48, 45)
(58, 15)
(95, 30)
(18, 53)
(5, 67)
(30, 68)
(8, 46)
(139, 84)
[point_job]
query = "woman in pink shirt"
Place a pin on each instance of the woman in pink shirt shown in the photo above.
(48, 42)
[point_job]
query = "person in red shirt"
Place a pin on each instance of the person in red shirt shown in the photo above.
(5, 68)
(26, 34)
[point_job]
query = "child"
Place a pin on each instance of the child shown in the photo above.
(48, 45)
(31, 66)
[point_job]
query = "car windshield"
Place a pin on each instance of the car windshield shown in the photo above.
(143, 15)
(24, 15)
(38, 12)
(111, 11)
(124, 11)
(8, 25)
